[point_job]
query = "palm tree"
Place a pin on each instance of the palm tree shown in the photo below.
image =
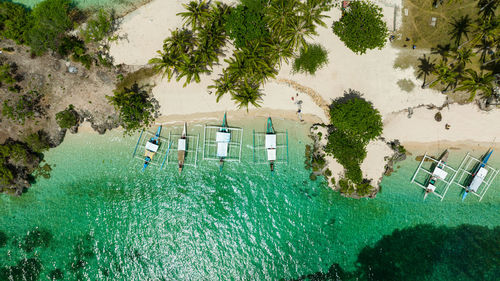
(462, 57)
(444, 75)
(191, 67)
(224, 84)
(279, 15)
(443, 50)
(297, 31)
(313, 11)
(487, 8)
(484, 47)
(247, 93)
(475, 82)
(425, 68)
(180, 43)
(461, 27)
(196, 13)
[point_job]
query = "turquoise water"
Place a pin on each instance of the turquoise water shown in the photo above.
(99, 218)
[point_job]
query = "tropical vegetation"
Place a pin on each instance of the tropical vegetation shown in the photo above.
(310, 59)
(361, 28)
(135, 105)
(470, 61)
(264, 35)
(355, 122)
(67, 118)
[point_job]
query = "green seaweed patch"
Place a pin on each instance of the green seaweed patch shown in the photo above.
(56, 274)
(3, 239)
(36, 238)
(25, 269)
(83, 252)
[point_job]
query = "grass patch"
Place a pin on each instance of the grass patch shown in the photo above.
(417, 25)
(406, 85)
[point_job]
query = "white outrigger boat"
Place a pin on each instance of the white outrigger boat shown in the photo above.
(478, 176)
(437, 173)
(181, 148)
(151, 148)
(222, 138)
(270, 144)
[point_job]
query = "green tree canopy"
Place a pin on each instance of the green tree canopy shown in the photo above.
(67, 118)
(14, 21)
(50, 20)
(135, 106)
(356, 118)
(362, 27)
(245, 23)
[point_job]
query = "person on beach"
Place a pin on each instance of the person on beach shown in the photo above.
(299, 114)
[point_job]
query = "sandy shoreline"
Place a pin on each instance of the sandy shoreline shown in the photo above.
(373, 74)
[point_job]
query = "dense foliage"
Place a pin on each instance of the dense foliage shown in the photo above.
(7, 74)
(14, 21)
(362, 28)
(264, 33)
(67, 118)
(310, 59)
(356, 118)
(135, 106)
(245, 23)
(50, 21)
(99, 27)
(355, 122)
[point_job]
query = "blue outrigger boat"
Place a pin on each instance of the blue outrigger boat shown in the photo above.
(478, 176)
(222, 138)
(270, 143)
(151, 148)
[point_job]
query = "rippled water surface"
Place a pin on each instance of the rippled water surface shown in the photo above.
(99, 218)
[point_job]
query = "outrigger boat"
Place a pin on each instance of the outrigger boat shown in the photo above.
(437, 173)
(181, 148)
(478, 176)
(223, 137)
(151, 148)
(270, 143)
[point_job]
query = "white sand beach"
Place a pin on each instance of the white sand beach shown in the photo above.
(372, 74)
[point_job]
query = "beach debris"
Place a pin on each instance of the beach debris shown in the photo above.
(410, 112)
(433, 21)
(72, 70)
(438, 117)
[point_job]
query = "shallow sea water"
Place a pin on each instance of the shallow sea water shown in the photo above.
(106, 220)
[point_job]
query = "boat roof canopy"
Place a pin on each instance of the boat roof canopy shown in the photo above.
(151, 147)
(478, 179)
(181, 144)
(271, 154)
(223, 137)
(440, 173)
(270, 141)
(222, 148)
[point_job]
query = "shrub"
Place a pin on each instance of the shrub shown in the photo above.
(310, 59)
(50, 20)
(6, 74)
(14, 21)
(245, 24)
(135, 106)
(24, 108)
(69, 45)
(356, 118)
(364, 188)
(67, 118)
(362, 28)
(38, 142)
(98, 28)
